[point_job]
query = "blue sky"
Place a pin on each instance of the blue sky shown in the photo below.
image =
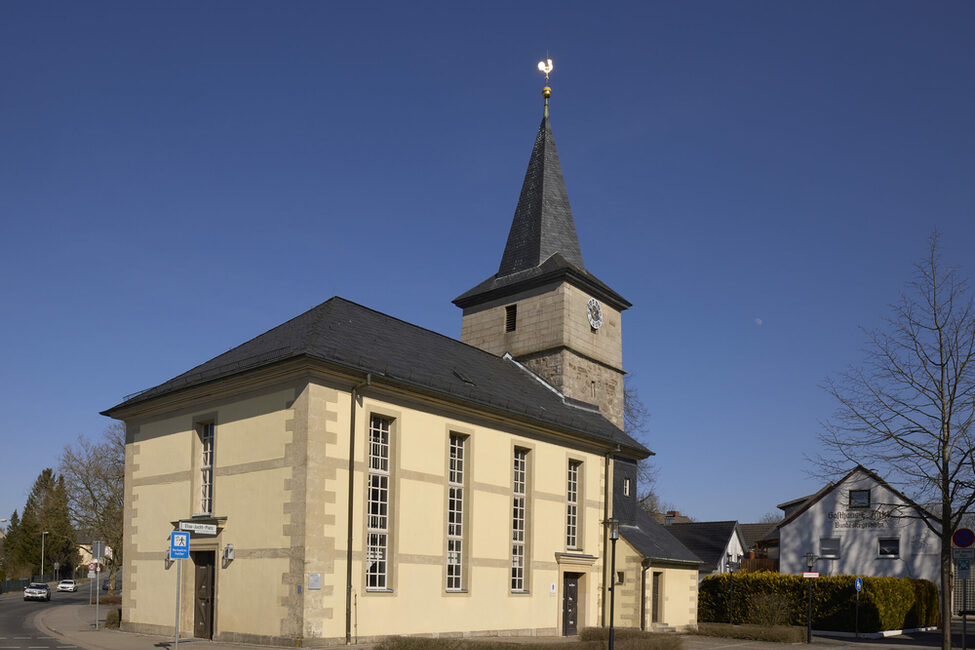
(755, 177)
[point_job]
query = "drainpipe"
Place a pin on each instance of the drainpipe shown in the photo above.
(606, 490)
(645, 566)
(348, 540)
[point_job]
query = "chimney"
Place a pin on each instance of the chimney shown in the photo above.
(670, 516)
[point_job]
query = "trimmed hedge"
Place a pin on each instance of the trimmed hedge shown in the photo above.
(885, 603)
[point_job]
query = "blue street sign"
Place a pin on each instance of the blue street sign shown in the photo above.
(858, 584)
(179, 546)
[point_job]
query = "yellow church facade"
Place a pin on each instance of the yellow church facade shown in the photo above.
(348, 476)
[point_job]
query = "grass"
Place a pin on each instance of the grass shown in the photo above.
(775, 633)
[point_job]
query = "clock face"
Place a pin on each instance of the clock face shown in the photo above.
(595, 313)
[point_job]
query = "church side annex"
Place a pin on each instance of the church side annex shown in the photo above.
(366, 477)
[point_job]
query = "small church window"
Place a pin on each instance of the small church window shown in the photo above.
(510, 318)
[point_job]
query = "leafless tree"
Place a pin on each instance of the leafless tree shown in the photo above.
(94, 475)
(770, 517)
(907, 412)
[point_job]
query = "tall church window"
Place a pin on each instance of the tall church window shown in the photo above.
(455, 513)
(206, 468)
(377, 504)
(572, 508)
(519, 516)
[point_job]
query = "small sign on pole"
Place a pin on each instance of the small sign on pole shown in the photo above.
(858, 584)
(179, 549)
(810, 574)
(963, 537)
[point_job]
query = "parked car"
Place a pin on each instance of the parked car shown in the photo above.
(67, 585)
(37, 591)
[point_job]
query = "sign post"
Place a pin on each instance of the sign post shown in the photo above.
(858, 585)
(179, 549)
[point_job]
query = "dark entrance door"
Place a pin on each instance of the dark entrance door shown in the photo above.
(203, 602)
(570, 604)
(655, 595)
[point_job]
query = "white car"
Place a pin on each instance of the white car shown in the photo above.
(37, 591)
(67, 585)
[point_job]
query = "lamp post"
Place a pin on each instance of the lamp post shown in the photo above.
(810, 561)
(731, 593)
(43, 535)
(614, 534)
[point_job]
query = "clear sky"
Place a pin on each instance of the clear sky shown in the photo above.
(755, 177)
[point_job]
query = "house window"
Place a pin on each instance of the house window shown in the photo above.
(859, 498)
(829, 547)
(572, 509)
(455, 514)
(889, 547)
(206, 468)
(377, 504)
(519, 514)
(510, 318)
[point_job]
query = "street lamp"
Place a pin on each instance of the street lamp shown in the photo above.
(731, 594)
(810, 561)
(614, 534)
(45, 533)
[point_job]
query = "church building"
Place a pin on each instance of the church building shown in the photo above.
(348, 476)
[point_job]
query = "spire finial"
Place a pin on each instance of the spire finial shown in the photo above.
(546, 67)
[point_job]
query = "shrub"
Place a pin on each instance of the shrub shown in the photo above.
(885, 603)
(114, 618)
(776, 633)
(766, 610)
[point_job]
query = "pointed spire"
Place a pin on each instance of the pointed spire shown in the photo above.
(543, 224)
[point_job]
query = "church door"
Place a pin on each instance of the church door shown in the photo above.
(203, 600)
(570, 604)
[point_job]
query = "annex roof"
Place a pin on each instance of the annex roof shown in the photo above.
(651, 540)
(753, 533)
(352, 337)
(706, 539)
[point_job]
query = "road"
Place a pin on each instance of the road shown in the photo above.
(17, 628)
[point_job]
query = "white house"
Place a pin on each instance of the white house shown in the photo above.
(860, 526)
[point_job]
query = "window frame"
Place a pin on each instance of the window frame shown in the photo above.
(573, 509)
(377, 565)
(457, 463)
(888, 556)
(518, 574)
(206, 432)
(827, 555)
(858, 505)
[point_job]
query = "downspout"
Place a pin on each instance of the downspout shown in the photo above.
(645, 566)
(606, 490)
(348, 540)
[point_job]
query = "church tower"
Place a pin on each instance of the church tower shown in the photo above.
(543, 306)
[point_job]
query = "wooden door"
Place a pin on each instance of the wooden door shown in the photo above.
(655, 595)
(203, 596)
(570, 604)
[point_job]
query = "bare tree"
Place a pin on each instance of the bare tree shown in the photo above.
(94, 474)
(908, 411)
(770, 517)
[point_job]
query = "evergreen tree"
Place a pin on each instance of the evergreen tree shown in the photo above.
(46, 511)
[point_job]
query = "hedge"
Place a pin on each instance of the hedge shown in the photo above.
(885, 603)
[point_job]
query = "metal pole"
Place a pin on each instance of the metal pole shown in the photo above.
(809, 617)
(964, 614)
(612, 597)
(731, 599)
(98, 579)
(179, 565)
(857, 617)
(43, 535)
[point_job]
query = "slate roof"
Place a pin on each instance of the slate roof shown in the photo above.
(754, 533)
(352, 337)
(651, 540)
(542, 243)
(706, 539)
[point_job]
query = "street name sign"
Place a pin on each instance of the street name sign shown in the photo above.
(810, 574)
(202, 529)
(179, 546)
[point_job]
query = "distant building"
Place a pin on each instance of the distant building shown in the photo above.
(859, 525)
(716, 543)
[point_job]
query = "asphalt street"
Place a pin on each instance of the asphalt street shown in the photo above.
(17, 621)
